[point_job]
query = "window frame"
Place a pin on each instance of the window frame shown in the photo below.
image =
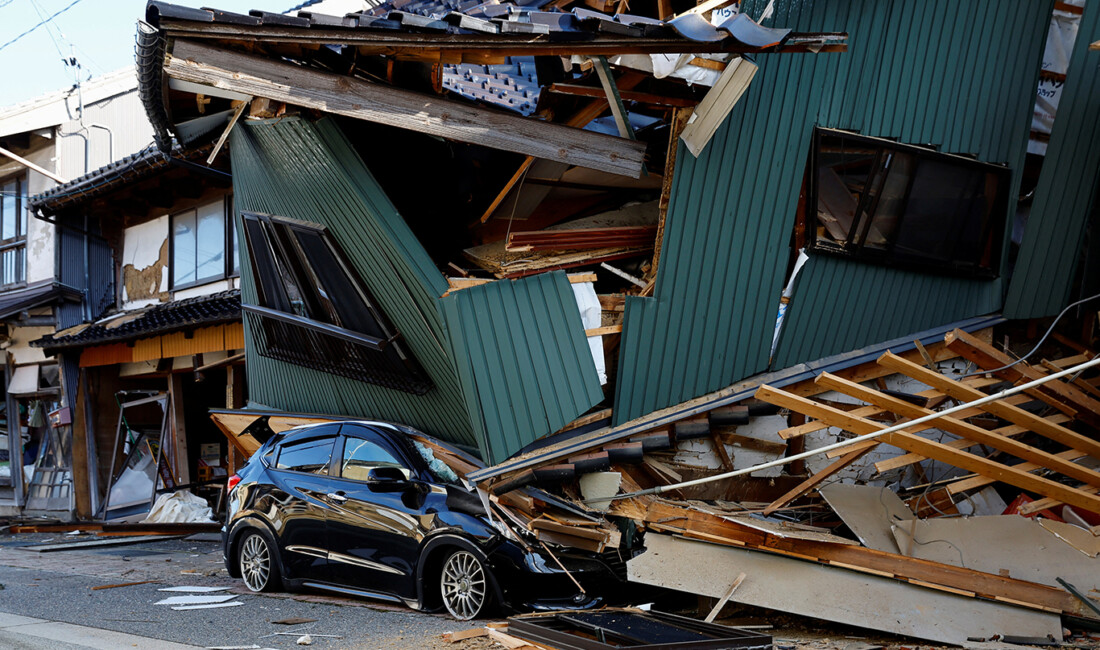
(992, 228)
(331, 435)
(372, 435)
(19, 241)
(282, 262)
(230, 267)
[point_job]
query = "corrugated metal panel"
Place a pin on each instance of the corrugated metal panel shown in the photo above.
(123, 114)
(501, 333)
(1066, 192)
(871, 304)
(234, 336)
(148, 350)
(307, 171)
(106, 355)
(960, 74)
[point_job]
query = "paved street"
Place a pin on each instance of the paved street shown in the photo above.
(48, 601)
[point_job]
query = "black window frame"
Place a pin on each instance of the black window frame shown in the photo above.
(332, 436)
(230, 256)
(373, 435)
(992, 227)
(346, 333)
(17, 244)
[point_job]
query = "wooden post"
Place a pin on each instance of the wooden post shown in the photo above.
(179, 429)
(234, 399)
(81, 426)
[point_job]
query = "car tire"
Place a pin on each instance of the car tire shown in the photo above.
(464, 585)
(258, 561)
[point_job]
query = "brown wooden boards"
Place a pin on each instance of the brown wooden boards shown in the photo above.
(333, 93)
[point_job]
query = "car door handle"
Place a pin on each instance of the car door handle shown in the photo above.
(339, 497)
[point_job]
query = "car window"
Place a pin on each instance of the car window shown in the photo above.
(360, 456)
(309, 456)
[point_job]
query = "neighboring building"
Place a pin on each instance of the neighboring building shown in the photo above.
(163, 353)
(45, 281)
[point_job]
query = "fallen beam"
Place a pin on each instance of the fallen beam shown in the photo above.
(343, 95)
(831, 593)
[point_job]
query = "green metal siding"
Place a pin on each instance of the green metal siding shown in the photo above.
(307, 170)
(509, 360)
(960, 74)
(501, 333)
(888, 301)
(1066, 192)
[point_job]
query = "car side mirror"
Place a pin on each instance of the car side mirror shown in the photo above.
(387, 479)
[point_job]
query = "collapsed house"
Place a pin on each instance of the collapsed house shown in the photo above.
(642, 262)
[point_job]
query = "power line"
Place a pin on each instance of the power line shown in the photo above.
(68, 7)
(5, 3)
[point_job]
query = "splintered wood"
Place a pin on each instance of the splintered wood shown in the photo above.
(975, 429)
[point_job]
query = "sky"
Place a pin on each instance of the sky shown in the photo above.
(99, 33)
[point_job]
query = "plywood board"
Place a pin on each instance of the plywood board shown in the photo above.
(868, 511)
(830, 593)
(1007, 545)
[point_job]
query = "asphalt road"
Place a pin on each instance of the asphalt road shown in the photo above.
(58, 586)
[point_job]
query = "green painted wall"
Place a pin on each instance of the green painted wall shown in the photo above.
(308, 170)
(957, 73)
(1066, 192)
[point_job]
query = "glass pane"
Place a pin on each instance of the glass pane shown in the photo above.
(843, 168)
(332, 278)
(945, 214)
(310, 456)
(235, 261)
(210, 242)
(887, 201)
(360, 456)
(183, 248)
(8, 217)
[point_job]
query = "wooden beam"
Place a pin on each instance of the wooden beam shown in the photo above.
(369, 41)
(872, 411)
(178, 429)
(29, 165)
(1055, 393)
(931, 449)
(960, 428)
(1010, 430)
(404, 109)
(618, 110)
(628, 95)
(720, 449)
(973, 482)
(860, 558)
(812, 482)
(240, 106)
(724, 599)
(1011, 413)
(602, 331)
(679, 120)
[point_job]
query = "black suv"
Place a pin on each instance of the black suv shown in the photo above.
(363, 508)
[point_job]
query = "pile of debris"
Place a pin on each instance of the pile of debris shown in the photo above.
(904, 520)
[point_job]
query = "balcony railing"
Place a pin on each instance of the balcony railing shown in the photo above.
(334, 350)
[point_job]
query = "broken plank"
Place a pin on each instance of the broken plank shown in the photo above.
(931, 449)
(973, 482)
(725, 598)
(401, 108)
(631, 96)
(817, 479)
(1011, 413)
(123, 584)
(960, 428)
(717, 104)
(605, 330)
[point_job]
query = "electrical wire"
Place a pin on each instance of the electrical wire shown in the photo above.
(67, 7)
(1037, 345)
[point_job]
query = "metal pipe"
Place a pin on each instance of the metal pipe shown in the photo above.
(852, 441)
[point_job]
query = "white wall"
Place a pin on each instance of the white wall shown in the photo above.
(145, 263)
(41, 236)
(130, 133)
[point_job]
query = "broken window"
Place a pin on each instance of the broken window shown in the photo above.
(201, 239)
(13, 231)
(316, 312)
(904, 205)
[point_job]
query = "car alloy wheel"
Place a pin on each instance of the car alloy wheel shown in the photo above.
(256, 561)
(464, 585)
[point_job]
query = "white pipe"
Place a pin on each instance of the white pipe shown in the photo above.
(851, 441)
